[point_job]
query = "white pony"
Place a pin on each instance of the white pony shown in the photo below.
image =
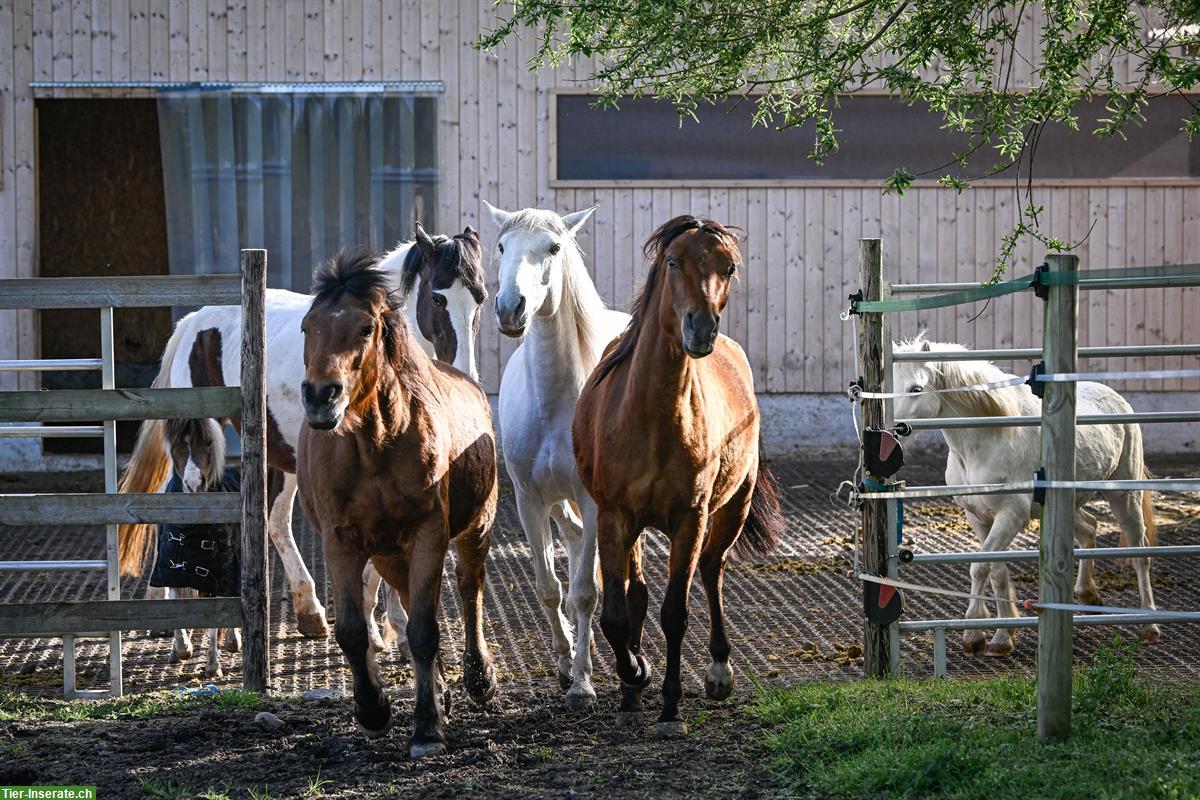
(1005, 455)
(547, 297)
(442, 280)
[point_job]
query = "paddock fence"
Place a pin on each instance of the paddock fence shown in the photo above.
(108, 618)
(880, 496)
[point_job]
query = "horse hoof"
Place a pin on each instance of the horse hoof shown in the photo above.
(975, 647)
(378, 727)
(312, 626)
(1151, 635)
(482, 690)
(718, 684)
(671, 730)
(999, 650)
(423, 749)
(580, 698)
(630, 719)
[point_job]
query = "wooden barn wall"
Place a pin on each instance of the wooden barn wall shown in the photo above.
(495, 139)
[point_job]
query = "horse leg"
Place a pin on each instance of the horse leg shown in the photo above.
(424, 588)
(479, 676)
(181, 643)
(1086, 591)
(395, 623)
(345, 564)
(615, 542)
(213, 668)
(371, 580)
(685, 553)
(310, 614)
(727, 523)
(1128, 510)
(535, 520)
(1006, 524)
(581, 597)
(233, 640)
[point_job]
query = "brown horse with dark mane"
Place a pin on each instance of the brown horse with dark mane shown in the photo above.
(398, 459)
(666, 437)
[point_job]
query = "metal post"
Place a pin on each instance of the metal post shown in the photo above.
(108, 380)
(256, 609)
(878, 519)
(1057, 563)
(939, 652)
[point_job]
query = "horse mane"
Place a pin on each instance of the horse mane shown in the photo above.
(579, 291)
(177, 430)
(653, 249)
(1004, 402)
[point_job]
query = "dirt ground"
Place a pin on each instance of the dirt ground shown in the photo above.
(793, 617)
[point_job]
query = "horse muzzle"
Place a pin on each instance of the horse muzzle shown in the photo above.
(511, 318)
(323, 406)
(700, 330)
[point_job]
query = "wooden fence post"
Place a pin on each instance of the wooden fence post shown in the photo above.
(256, 608)
(878, 518)
(1057, 562)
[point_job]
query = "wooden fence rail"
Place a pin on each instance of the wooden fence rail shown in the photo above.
(179, 508)
(150, 291)
(76, 405)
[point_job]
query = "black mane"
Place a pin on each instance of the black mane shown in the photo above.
(654, 248)
(354, 272)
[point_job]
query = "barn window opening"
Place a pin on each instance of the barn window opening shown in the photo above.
(302, 174)
(644, 141)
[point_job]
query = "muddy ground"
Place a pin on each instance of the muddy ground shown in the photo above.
(523, 744)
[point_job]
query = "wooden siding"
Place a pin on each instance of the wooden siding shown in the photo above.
(495, 145)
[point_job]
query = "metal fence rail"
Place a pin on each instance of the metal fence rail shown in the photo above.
(1058, 283)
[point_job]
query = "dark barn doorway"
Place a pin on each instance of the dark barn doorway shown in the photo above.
(101, 212)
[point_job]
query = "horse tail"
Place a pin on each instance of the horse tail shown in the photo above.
(764, 524)
(149, 468)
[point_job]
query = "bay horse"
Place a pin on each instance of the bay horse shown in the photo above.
(197, 450)
(397, 460)
(1007, 455)
(666, 436)
(442, 280)
(547, 299)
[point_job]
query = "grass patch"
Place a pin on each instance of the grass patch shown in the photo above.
(22, 708)
(977, 738)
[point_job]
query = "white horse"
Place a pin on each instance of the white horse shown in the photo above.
(1006, 455)
(547, 297)
(443, 281)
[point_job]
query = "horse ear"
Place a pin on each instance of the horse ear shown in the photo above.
(471, 233)
(500, 216)
(426, 244)
(925, 345)
(575, 221)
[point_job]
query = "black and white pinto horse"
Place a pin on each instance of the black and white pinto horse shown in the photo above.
(443, 285)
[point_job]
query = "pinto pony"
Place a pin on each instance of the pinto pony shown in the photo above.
(1006, 455)
(442, 280)
(666, 437)
(197, 450)
(397, 460)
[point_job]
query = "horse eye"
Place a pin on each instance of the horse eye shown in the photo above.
(916, 388)
(732, 271)
(500, 247)
(554, 248)
(671, 265)
(366, 331)
(439, 300)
